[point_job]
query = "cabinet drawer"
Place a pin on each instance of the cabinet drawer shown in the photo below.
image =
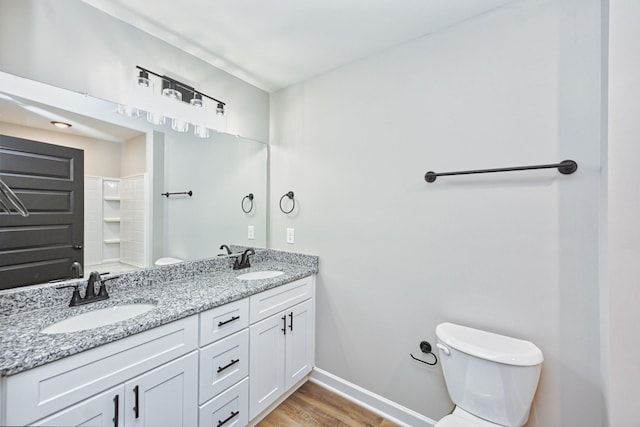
(274, 300)
(223, 321)
(223, 364)
(229, 409)
(39, 392)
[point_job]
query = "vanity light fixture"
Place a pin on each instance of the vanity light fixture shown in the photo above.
(61, 125)
(143, 79)
(178, 90)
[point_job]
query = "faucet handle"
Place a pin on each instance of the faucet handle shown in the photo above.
(75, 297)
(102, 292)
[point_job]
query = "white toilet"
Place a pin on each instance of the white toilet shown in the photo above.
(491, 378)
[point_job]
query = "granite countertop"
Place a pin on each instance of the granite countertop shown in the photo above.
(188, 289)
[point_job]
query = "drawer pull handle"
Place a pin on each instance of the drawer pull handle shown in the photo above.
(228, 321)
(284, 324)
(116, 415)
(222, 368)
(135, 408)
(291, 321)
(233, 414)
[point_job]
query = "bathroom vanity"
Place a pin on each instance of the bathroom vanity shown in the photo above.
(215, 350)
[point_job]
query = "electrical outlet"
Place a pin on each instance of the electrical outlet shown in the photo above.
(291, 235)
(251, 232)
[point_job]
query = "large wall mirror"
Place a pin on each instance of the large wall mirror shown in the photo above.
(128, 164)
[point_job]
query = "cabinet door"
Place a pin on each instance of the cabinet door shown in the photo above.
(300, 351)
(102, 410)
(266, 362)
(166, 396)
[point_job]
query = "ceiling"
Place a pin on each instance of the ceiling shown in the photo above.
(276, 43)
(24, 112)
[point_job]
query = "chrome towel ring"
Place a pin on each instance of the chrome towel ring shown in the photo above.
(290, 196)
(250, 198)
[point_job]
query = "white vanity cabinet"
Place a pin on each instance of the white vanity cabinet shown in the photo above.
(82, 387)
(282, 341)
(219, 368)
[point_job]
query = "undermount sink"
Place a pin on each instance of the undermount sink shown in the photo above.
(257, 275)
(96, 318)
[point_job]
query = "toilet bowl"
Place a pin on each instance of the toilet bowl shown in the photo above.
(491, 378)
(167, 261)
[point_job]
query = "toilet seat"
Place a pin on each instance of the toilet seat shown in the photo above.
(168, 261)
(461, 418)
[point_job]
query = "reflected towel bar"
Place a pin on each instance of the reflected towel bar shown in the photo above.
(167, 194)
(565, 167)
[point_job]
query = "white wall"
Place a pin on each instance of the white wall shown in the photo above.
(134, 156)
(621, 296)
(68, 43)
(516, 254)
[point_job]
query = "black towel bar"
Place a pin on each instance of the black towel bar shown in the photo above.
(565, 167)
(167, 194)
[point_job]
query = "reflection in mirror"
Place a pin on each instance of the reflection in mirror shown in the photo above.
(128, 163)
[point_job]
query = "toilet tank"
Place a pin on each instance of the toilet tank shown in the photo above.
(491, 376)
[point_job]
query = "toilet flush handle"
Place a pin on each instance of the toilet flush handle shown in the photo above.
(444, 349)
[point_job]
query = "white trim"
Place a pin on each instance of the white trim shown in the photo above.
(373, 402)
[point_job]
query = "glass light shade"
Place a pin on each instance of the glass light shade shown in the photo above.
(143, 79)
(172, 93)
(201, 131)
(196, 101)
(220, 109)
(179, 125)
(155, 118)
(127, 110)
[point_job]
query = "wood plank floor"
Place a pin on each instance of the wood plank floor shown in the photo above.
(312, 405)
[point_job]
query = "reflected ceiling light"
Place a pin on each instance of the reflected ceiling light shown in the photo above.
(179, 125)
(201, 131)
(155, 118)
(143, 78)
(61, 125)
(127, 110)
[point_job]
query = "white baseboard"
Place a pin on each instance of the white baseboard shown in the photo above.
(373, 402)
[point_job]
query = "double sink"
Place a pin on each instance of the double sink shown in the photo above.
(118, 313)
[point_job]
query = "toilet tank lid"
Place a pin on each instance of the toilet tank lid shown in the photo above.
(489, 346)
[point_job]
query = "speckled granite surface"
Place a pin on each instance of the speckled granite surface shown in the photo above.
(177, 290)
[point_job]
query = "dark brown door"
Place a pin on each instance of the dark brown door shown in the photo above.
(49, 179)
